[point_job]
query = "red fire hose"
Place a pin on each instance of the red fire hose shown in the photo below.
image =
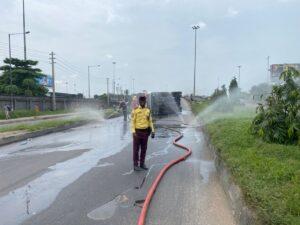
(143, 214)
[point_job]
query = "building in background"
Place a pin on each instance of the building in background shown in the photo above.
(277, 69)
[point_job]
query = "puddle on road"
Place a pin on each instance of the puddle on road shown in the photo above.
(162, 133)
(105, 164)
(206, 168)
(107, 210)
(21, 204)
(128, 173)
(186, 112)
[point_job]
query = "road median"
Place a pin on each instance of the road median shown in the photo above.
(22, 132)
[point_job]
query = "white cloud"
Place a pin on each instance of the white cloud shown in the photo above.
(109, 56)
(232, 12)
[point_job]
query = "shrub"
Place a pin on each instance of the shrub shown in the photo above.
(278, 120)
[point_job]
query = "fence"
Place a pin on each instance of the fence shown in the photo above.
(45, 103)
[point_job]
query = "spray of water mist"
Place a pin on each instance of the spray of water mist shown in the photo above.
(89, 113)
(225, 107)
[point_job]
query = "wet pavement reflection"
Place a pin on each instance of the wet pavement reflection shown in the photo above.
(39, 193)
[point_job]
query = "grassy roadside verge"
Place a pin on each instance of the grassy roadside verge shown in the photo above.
(198, 107)
(111, 113)
(41, 125)
(29, 113)
(268, 174)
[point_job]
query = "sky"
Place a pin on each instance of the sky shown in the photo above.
(152, 41)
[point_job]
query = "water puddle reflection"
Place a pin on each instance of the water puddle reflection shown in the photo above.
(107, 210)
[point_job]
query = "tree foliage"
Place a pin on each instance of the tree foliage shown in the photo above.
(233, 86)
(219, 93)
(24, 78)
(220, 100)
(278, 120)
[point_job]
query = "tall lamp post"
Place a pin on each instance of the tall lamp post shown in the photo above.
(114, 77)
(195, 28)
(24, 33)
(239, 67)
(89, 80)
(10, 74)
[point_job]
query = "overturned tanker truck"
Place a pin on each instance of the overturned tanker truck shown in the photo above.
(164, 103)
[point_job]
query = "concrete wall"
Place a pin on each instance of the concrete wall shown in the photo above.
(45, 103)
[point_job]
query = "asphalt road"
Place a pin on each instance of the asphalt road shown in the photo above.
(84, 176)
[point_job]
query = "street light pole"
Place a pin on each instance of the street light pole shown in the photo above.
(24, 33)
(132, 85)
(239, 75)
(268, 69)
(195, 28)
(114, 77)
(10, 75)
(10, 72)
(89, 79)
(89, 85)
(107, 90)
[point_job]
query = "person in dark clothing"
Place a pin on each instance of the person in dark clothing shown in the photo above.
(123, 107)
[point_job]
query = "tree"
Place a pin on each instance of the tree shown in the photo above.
(279, 119)
(233, 86)
(24, 78)
(219, 93)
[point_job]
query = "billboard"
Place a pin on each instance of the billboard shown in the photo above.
(45, 80)
(277, 69)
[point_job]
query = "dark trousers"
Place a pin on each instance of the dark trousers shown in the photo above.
(125, 115)
(140, 141)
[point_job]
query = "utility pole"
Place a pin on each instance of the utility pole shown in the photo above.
(114, 78)
(107, 90)
(24, 33)
(239, 75)
(53, 82)
(195, 28)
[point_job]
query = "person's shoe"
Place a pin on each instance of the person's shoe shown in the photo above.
(144, 167)
(136, 168)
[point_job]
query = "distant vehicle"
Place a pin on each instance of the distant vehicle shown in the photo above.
(66, 95)
(164, 103)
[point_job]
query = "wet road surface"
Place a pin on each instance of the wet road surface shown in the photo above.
(84, 176)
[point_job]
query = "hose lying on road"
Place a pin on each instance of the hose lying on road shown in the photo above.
(143, 214)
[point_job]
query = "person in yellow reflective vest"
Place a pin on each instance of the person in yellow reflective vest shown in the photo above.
(141, 128)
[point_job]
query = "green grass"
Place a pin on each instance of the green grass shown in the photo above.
(268, 174)
(198, 107)
(111, 113)
(28, 113)
(41, 125)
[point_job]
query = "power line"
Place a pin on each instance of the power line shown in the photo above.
(63, 60)
(19, 51)
(67, 69)
(74, 69)
(31, 49)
